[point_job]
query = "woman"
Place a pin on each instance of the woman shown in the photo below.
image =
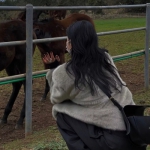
(85, 116)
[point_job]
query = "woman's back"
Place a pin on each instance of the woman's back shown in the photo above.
(81, 104)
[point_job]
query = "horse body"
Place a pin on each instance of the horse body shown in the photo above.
(13, 60)
(55, 28)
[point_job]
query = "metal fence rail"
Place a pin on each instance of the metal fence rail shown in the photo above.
(64, 37)
(29, 23)
(71, 7)
(37, 74)
(87, 7)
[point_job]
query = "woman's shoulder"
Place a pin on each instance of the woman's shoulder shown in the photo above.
(109, 57)
(107, 53)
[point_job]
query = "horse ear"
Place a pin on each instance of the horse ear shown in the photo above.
(22, 16)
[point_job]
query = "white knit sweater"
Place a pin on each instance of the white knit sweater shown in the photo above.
(80, 104)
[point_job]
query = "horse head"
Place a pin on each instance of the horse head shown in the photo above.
(48, 29)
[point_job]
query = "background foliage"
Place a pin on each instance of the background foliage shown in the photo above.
(7, 16)
(73, 2)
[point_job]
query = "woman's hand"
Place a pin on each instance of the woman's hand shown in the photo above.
(50, 58)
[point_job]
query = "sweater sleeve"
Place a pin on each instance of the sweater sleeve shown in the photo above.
(49, 76)
(61, 86)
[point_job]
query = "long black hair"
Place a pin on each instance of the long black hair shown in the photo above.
(90, 64)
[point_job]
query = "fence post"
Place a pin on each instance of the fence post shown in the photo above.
(29, 53)
(147, 41)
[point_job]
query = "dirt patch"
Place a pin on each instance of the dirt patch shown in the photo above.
(42, 117)
(41, 113)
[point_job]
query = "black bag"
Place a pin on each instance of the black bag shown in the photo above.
(137, 125)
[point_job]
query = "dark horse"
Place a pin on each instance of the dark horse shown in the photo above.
(55, 28)
(13, 60)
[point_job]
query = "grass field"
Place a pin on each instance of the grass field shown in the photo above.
(116, 44)
(124, 42)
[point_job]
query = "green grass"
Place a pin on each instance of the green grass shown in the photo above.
(116, 44)
(49, 138)
(119, 24)
(125, 42)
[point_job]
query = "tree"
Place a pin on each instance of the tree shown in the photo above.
(134, 2)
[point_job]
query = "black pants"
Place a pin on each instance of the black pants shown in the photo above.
(81, 136)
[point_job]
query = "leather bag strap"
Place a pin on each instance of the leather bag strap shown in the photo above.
(123, 114)
(121, 109)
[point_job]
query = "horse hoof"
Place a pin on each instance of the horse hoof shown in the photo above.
(19, 126)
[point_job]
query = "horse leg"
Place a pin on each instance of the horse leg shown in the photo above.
(19, 124)
(20, 121)
(12, 69)
(47, 88)
(16, 88)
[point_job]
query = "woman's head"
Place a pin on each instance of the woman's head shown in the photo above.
(89, 64)
(82, 36)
